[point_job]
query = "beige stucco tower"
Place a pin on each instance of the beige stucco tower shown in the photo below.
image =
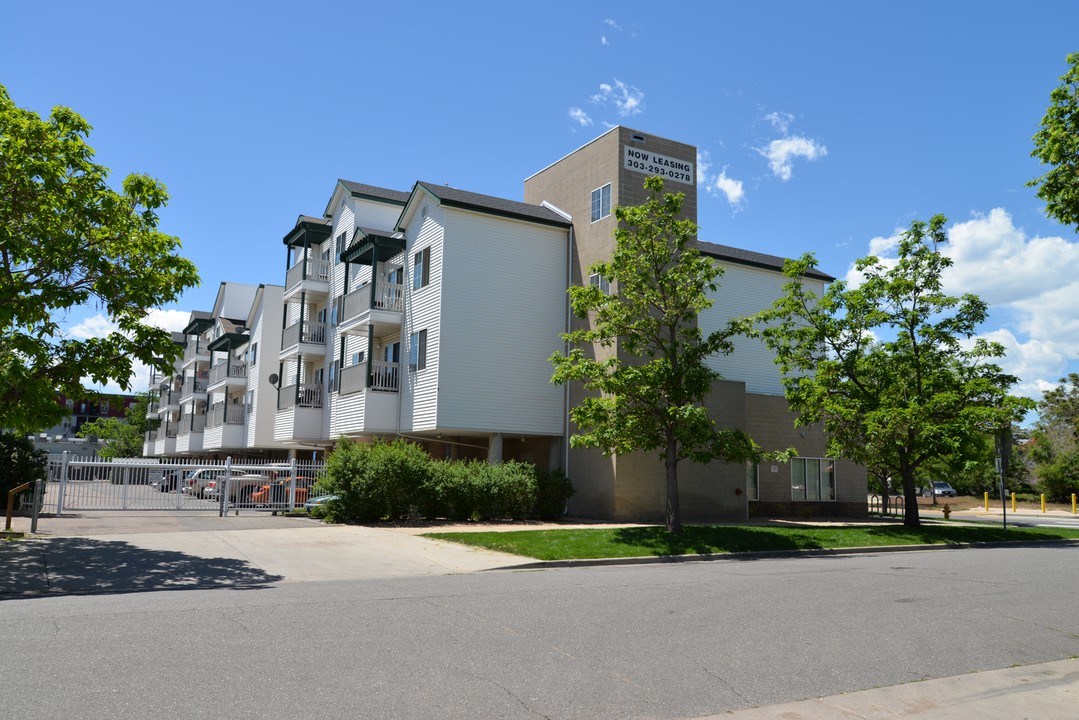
(588, 184)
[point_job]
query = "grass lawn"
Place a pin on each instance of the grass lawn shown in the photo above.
(570, 544)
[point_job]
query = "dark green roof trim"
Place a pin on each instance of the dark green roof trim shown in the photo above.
(198, 325)
(490, 205)
(364, 243)
(228, 341)
(315, 232)
(373, 192)
(753, 259)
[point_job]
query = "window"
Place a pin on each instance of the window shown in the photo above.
(333, 376)
(357, 358)
(339, 248)
(812, 479)
(601, 282)
(421, 269)
(254, 353)
(601, 202)
(417, 350)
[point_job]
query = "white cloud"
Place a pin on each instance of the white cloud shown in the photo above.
(781, 152)
(730, 187)
(603, 40)
(580, 116)
(612, 24)
(627, 100)
(780, 121)
(98, 326)
(704, 164)
(1030, 284)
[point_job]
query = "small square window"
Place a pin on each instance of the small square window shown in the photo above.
(601, 282)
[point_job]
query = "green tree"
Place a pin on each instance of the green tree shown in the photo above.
(122, 438)
(20, 462)
(1054, 447)
(890, 367)
(68, 240)
(648, 393)
(1056, 144)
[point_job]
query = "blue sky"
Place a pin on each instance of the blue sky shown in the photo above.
(824, 126)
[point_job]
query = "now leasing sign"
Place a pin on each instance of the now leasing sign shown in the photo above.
(651, 163)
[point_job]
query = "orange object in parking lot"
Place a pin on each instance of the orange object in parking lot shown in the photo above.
(276, 494)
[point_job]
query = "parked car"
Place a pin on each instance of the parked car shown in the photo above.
(170, 480)
(275, 494)
(940, 489)
(239, 486)
(318, 501)
(196, 481)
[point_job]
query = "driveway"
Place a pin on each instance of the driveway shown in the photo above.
(130, 552)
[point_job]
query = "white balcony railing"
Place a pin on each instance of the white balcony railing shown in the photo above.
(384, 375)
(193, 385)
(233, 369)
(353, 379)
(225, 414)
(388, 296)
(313, 333)
(304, 395)
(317, 270)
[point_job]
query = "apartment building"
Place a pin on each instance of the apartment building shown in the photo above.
(431, 314)
(209, 407)
(407, 314)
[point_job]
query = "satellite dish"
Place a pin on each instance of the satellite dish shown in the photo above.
(273, 379)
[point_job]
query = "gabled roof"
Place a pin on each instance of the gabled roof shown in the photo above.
(366, 192)
(199, 321)
(365, 245)
(312, 229)
(462, 199)
(753, 259)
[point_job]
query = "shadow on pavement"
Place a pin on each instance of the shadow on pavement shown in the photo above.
(87, 566)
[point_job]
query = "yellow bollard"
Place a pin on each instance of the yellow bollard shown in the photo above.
(1043, 503)
(1073, 503)
(1013, 502)
(987, 502)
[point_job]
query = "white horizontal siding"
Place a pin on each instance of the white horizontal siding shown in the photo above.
(503, 307)
(745, 291)
(423, 309)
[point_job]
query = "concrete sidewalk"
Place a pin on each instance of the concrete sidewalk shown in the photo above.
(1046, 691)
(136, 552)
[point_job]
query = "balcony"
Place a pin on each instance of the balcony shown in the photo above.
(357, 308)
(228, 373)
(385, 377)
(196, 351)
(193, 386)
(192, 424)
(312, 341)
(359, 409)
(225, 414)
(311, 276)
(304, 396)
(299, 414)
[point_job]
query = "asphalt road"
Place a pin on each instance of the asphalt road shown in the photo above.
(654, 641)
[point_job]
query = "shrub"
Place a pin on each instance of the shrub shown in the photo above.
(359, 500)
(507, 490)
(20, 462)
(553, 489)
(400, 469)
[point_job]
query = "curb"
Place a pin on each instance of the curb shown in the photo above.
(772, 554)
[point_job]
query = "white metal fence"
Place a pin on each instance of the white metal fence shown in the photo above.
(77, 483)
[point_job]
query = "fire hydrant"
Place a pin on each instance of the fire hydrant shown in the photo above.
(947, 510)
